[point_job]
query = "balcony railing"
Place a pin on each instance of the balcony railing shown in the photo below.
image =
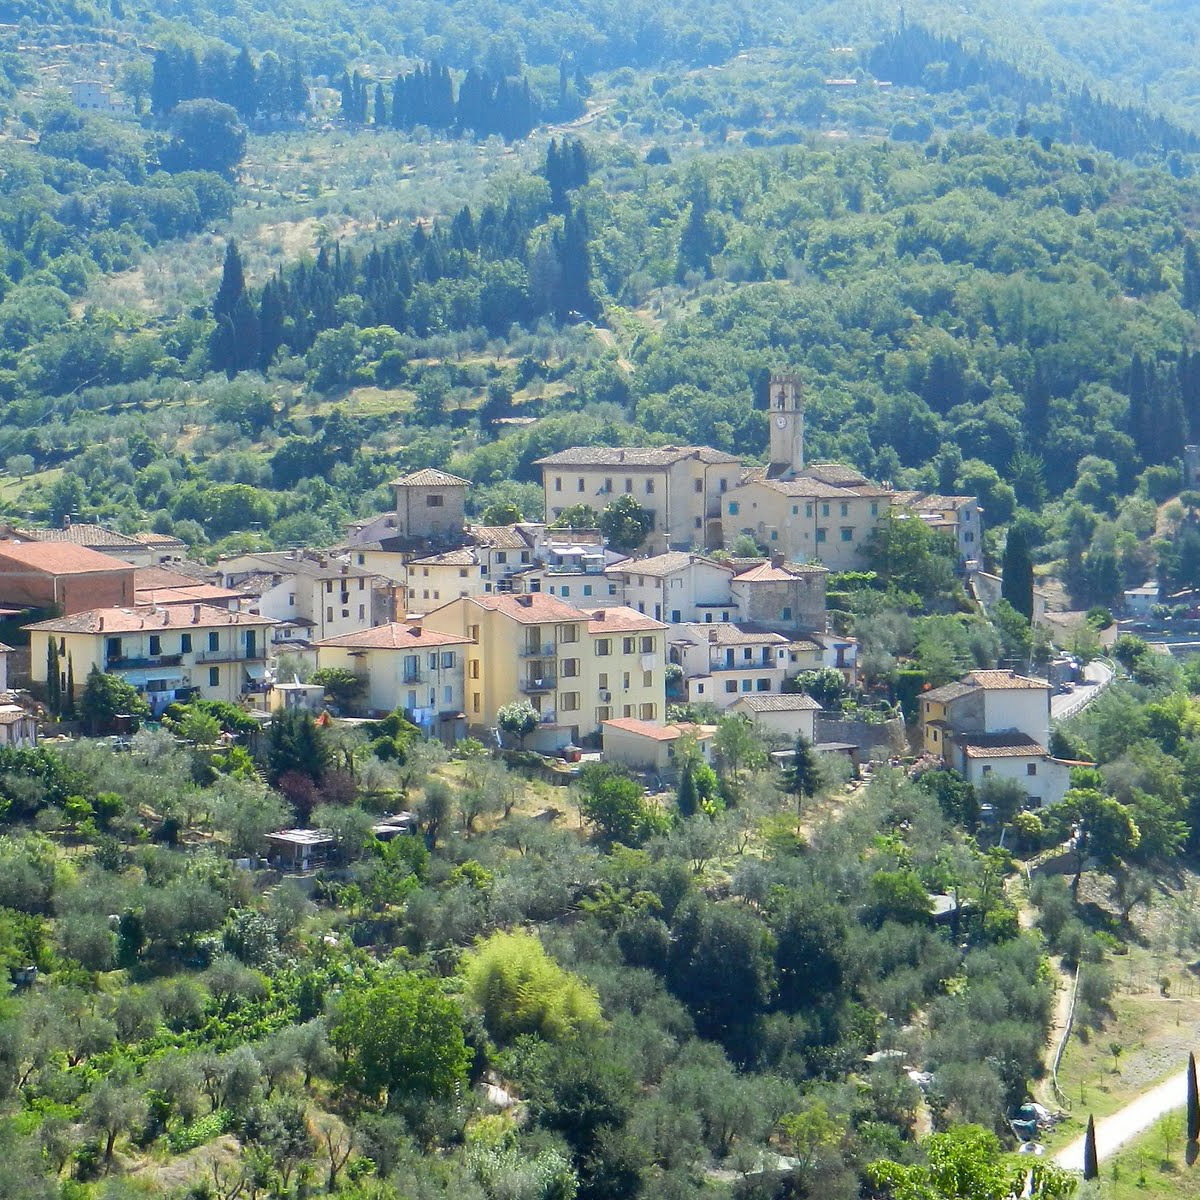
(413, 677)
(541, 650)
(126, 663)
(761, 665)
(534, 686)
(234, 654)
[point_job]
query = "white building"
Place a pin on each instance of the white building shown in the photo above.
(677, 587)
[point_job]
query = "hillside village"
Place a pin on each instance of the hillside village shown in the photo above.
(423, 612)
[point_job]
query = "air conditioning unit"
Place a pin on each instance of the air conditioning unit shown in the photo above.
(605, 697)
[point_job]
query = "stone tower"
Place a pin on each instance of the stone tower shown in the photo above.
(786, 415)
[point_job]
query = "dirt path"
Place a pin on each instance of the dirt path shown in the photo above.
(1124, 1125)
(607, 338)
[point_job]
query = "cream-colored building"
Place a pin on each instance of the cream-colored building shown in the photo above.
(405, 666)
(683, 486)
(958, 517)
(827, 514)
(437, 578)
(787, 714)
(721, 662)
(650, 746)
(677, 586)
(577, 667)
(168, 654)
(430, 504)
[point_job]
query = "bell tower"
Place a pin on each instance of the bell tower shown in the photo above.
(786, 414)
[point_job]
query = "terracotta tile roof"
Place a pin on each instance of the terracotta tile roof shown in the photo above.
(430, 477)
(162, 577)
(1000, 745)
(620, 619)
(663, 564)
(464, 557)
(1005, 680)
(948, 692)
(193, 593)
(80, 535)
(133, 620)
(531, 608)
(632, 456)
(837, 474)
(765, 573)
(159, 539)
(499, 537)
(393, 636)
(60, 558)
(646, 729)
(781, 702)
(725, 633)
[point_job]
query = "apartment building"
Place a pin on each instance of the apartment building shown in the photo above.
(169, 654)
(62, 576)
(577, 667)
(677, 587)
(958, 517)
(721, 662)
(405, 666)
(682, 486)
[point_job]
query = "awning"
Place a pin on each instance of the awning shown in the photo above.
(256, 671)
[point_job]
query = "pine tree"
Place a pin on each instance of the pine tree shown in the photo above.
(233, 282)
(1017, 582)
(243, 86)
(381, 108)
(696, 241)
(1193, 1101)
(68, 700)
(687, 798)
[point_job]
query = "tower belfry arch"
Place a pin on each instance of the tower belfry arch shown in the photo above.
(786, 416)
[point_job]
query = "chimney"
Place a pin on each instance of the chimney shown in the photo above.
(100, 625)
(345, 568)
(712, 637)
(67, 521)
(195, 614)
(166, 616)
(525, 600)
(777, 558)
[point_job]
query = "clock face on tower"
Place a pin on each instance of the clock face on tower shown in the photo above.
(781, 422)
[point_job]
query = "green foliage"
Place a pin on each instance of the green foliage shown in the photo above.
(105, 697)
(625, 524)
(520, 989)
(617, 806)
(401, 1037)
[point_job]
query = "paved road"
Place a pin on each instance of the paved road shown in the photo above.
(1096, 677)
(1123, 1126)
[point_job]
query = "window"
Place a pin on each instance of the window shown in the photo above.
(570, 668)
(647, 679)
(474, 668)
(1031, 769)
(525, 555)
(447, 695)
(708, 618)
(475, 704)
(698, 485)
(362, 612)
(625, 680)
(874, 508)
(820, 535)
(724, 483)
(731, 686)
(579, 484)
(568, 633)
(676, 616)
(969, 536)
(329, 614)
(647, 712)
(329, 586)
(795, 510)
(747, 684)
(808, 510)
(699, 689)
(627, 645)
(587, 589)
(627, 710)
(607, 486)
(557, 488)
(696, 523)
(362, 584)
(473, 632)
(987, 768)
(603, 647)
(433, 661)
(733, 508)
(649, 487)
(647, 645)
(214, 676)
(155, 645)
(291, 599)
(185, 643)
(847, 534)
(566, 590)
(774, 536)
(447, 660)
(568, 701)
(462, 572)
(434, 501)
(362, 559)
(845, 509)
(214, 641)
(824, 510)
(762, 685)
(786, 615)
(628, 486)
(604, 681)
(603, 713)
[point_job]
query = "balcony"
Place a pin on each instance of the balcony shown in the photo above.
(231, 654)
(413, 677)
(132, 664)
(763, 664)
(541, 650)
(532, 687)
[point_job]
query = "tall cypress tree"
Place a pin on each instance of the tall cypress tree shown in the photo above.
(233, 282)
(1191, 276)
(1017, 582)
(1091, 1161)
(68, 699)
(53, 679)
(1193, 1101)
